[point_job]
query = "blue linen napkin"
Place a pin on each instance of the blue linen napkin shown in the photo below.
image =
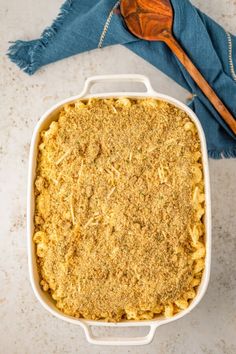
(83, 25)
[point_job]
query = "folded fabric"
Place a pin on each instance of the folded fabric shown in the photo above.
(83, 25)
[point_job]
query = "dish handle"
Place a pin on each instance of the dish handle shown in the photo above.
(117, 78)
(119, 340)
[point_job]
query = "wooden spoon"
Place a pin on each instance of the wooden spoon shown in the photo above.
(152, 20)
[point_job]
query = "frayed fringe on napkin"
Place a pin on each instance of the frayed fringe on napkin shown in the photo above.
(26, 54)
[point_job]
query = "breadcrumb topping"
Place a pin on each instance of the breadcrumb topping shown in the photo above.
(117, 209)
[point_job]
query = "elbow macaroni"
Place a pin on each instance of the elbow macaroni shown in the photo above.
(196, 231)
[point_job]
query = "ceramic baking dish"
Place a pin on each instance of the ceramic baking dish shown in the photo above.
(43, 297)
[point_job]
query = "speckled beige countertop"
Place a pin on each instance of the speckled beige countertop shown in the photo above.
(25, 327)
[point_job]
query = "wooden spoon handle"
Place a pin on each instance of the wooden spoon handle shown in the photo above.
(199, 79)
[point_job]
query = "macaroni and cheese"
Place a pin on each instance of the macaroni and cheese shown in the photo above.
(119, 191)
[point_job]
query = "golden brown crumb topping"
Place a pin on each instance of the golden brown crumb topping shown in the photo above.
(119, 196)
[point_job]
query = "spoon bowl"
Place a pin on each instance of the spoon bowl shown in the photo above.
(148, 19)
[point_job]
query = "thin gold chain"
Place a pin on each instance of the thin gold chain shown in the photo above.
(230, 49)
(106, 26)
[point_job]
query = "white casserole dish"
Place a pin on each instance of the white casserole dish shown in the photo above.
(43, 297)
